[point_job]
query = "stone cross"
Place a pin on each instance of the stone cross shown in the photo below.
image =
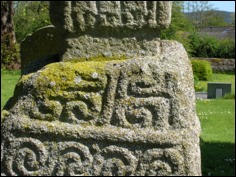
(109, 28)
(120, 102)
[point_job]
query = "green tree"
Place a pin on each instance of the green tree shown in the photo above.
(30, 16)
(214, 18)
(9, 48)
(195, 11)
(203, 14)
(179, 22)
(207, 46)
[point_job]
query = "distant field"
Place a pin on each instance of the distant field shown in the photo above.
(220, 32)
(220, 35)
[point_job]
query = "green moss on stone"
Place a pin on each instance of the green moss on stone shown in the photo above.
(59, 83)
(61, 78)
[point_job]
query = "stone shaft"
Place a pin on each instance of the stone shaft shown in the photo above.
(109, 28)
(87, 16)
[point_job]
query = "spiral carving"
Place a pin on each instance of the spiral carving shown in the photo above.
(159, 162)
(74, 159)
(114, 161)
(27, 157)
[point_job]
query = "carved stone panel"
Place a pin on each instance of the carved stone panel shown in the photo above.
(109, 28)
(133, 117)
(83, 16)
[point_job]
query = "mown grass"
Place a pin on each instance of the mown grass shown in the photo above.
(217, 123)
(217, 77)
(217, 119)
(8, 82)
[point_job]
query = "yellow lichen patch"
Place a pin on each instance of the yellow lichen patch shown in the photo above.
(25, 77)
(99, 58)
(4, 114)
(65, 78)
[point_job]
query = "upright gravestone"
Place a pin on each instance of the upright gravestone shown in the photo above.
(120, 102)
(39, 49)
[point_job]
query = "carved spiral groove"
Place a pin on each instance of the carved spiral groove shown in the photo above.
(159, 162)
(114, 161)
(28, 157)
(74, 159)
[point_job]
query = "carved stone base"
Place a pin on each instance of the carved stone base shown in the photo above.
(132, 117)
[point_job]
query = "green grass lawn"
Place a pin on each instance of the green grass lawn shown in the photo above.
(217, 122)
(217, 119)
(8, 82)
(230, 78)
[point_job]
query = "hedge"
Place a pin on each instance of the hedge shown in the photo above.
(202, 69)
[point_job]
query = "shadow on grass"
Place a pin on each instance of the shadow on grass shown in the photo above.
(218, 159)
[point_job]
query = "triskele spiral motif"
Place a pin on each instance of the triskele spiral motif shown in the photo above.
(159, 162)
(114, 161)
(74, 160)
(27, 157)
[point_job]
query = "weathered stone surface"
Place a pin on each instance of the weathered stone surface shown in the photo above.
(39, 49)
(89, 16)
(87, 46)
(133, 117)
(120, 102)
(109, 28)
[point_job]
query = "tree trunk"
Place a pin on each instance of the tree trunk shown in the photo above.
(9, 49)
(7, 25)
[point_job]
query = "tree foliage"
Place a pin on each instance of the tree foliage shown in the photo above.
(30, 16)
(185, 30)
(207, 46)
(214, 18)
(203, 14)
(195, 11)
(179, 22)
